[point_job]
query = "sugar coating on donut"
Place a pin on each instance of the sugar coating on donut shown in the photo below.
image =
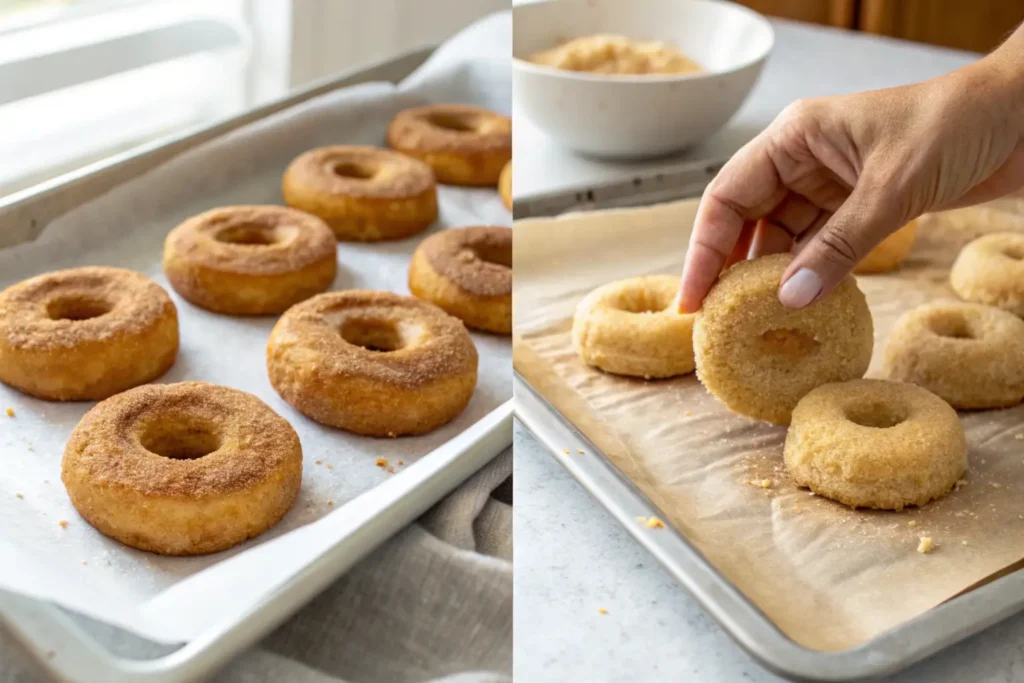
(760, 358)
(889, 254)
(875, 444)
(182, 469)
(630, 327)
(970, 355)
(467, 272)
(990, 270)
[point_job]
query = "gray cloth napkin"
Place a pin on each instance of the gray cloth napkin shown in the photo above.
(433, 604)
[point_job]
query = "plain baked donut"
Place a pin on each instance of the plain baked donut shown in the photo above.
(464, 145)
(990, 270)
(888, 255)
(364, 194)
(630, 327)
(86, 333)
(182, 469)
(250, 260)
(759, 358)
(970, 355)
(373, 363)
(467, 272)
(505, 185)
(875, 444)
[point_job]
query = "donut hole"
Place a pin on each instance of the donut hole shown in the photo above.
(459, 124)
(179, 440)
(250, 234)
(492, 253)
(644, 301)
(876, 415)
(952, 326)
(371, 334)
(353, 169)
(788, 342)
(1014, 251)
(77, 307)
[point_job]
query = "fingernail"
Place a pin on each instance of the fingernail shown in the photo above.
(800, 289)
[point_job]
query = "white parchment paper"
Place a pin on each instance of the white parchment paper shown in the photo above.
(79, 568)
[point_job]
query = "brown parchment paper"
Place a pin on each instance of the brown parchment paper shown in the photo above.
(829, 577)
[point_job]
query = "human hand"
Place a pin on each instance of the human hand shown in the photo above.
(830, 178)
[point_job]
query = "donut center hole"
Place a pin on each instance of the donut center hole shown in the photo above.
(876, 415)
(642, 301)
(351, 169)
(373, 335)
(786, 342)
(1015, 252)
(251, 234)
(77, 308)
(458, 124)
(953, 327)
(179, 441)
(491, 253)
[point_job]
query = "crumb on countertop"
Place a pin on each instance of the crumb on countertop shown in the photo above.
(654, 523)
(381, 463)
(580, 452)
(319, 462)
(20, 496)
(330, 466)
(401, 463)
(566, 451)
(330, 503)
(925, 545)
(602, 610)
(63, 524)
(10, 412)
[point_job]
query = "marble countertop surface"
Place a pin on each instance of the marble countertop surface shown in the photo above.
(571, 557)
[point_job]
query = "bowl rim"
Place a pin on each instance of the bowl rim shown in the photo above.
(528, 66)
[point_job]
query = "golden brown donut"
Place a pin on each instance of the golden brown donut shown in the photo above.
(250, 260)
(990, 270)
(970, 355)
(888, 255)
(464, 145)
(630, 327)
(875, 444)
(182, 469)
(468, 273)
(364, 194)
(86, 333)
(505, 185)
(760, 358)
(373, 363)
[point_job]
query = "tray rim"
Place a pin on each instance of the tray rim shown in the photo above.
(39, 628)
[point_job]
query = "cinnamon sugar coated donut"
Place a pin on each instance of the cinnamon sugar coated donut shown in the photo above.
(505, 185)
(990, 270)
(630, 327)
(86, 333)
(970, 355)
(760, 358)
(888, 255)
(250, 260)
(182, 469)
(875, 444)
(464, 145)
(468, 273)
(373, 363)
(364, 194)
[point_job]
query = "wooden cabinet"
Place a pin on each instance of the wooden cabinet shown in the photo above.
(977, 25)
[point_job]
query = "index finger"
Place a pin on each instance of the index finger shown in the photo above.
(746, 188)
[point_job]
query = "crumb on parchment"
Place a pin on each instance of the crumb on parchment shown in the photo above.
(602, 610)
(330, 466)
(21, 497)
(654, 523)
(63, 524)
(330, 503)
(319, 462)
(925, 545)
(566, 451)
(9, 412)
(580, 452)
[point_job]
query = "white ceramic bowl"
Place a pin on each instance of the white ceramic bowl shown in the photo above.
(638, 116)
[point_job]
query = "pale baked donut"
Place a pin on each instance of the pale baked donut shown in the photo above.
(875, 444)
(888, 255)
(990, 270)
(182, 469)
(364, 194)
(630, 327)
(86, 333)
(505, 185)
(468, 273)
(250, 260)
(970, 355)
(464, 145)
(759, 358)
(373, 363)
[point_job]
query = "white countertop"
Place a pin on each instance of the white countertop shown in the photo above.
(571, 557)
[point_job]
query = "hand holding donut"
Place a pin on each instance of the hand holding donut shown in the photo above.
(834, 176)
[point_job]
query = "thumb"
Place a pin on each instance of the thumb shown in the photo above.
(868, 216)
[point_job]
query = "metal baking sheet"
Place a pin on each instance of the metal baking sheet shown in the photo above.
(60, 641)
(885, 654)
